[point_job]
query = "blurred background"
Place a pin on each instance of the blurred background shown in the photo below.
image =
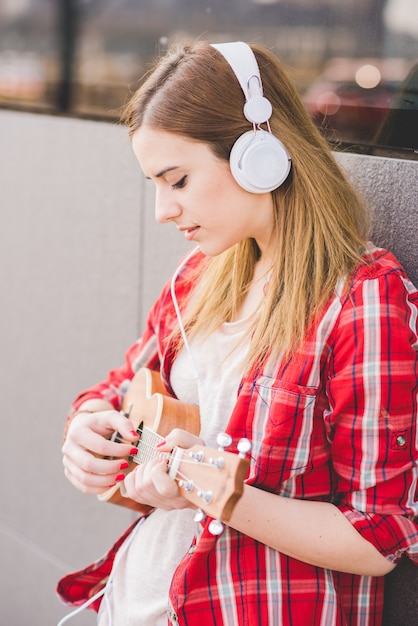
(81, 255)
(354, 62)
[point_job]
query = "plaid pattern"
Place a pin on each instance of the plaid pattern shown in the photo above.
(338, 423)
(78, 587)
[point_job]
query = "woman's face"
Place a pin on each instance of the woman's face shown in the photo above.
(196, 190)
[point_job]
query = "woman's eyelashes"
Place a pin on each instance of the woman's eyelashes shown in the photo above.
(179, 184)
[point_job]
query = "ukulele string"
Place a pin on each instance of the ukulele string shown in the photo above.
(182, 477)
(148, 453)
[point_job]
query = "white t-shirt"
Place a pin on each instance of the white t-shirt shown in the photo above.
(141, 580)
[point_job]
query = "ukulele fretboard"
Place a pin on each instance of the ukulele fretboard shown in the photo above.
(147, 449)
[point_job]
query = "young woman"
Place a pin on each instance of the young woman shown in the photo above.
(285, 327)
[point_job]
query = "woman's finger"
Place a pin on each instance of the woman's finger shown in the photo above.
(88, 482)
(180, 438)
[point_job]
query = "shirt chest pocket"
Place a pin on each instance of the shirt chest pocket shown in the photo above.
(284, 427)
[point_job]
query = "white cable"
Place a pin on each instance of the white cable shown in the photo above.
(105, 591)
(82, 607)
(177, 309)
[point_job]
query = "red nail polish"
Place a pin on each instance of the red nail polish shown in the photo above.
(110, 486)
(162, 443)
(134, 433)
(120, 477)
(124, 465)
(133, 451)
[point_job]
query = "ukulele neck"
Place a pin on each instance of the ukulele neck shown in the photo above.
(147, 446)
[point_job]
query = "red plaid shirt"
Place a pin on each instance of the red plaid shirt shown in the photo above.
(337, 423)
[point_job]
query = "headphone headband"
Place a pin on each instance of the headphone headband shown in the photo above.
(259, 161)
(240, 57)
(243, 62)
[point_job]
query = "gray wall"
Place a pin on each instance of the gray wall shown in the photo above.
(81, 260)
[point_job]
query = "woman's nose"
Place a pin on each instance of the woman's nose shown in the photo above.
(166, 209)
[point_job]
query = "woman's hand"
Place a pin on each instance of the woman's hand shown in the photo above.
(149, 483)
(91, 461)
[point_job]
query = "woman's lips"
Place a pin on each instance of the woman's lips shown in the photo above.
(190, 233)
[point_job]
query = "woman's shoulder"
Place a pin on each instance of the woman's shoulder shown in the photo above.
(378, 262)
(380, 276)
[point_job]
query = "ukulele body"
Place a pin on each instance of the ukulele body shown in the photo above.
(148, 404)
(211, 479)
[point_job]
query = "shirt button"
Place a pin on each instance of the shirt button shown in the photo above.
(401, 440)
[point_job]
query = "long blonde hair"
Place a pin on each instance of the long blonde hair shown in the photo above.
(320, 224)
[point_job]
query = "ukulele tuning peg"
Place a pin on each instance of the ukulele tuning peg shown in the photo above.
(206, 496)
(219, 463)
(200, 516)
(197, 456)
(216, 527)
(187, 485)
(223, 440)
(244, 446)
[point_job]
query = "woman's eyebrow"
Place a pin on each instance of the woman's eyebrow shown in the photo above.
(166, 170)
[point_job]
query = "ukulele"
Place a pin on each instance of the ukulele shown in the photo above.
(209, 478)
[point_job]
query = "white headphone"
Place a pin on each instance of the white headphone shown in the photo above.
(259, 161)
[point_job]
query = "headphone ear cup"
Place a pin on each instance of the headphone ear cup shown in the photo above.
(259, 162)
